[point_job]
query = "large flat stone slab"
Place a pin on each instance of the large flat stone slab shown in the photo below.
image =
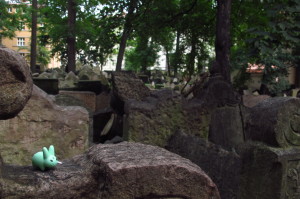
(108, 171)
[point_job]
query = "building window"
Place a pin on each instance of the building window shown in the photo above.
(21, 26)
(22, 54)
(9, 9)
(21, 41)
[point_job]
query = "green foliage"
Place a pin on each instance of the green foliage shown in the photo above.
(9, 22)
(142, 55)
(270, 35)
(95, 36)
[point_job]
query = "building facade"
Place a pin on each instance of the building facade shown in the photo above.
(21, 41)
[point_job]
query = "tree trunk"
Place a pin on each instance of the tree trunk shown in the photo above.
(71, 40)
(192, 56)
(126, 33)
(177, 53)
(144, 47)
(168, 61)
(33, 47)
(222, 44)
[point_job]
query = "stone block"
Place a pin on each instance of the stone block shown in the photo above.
(275, 121)
(42, 123)
(112, 171)
(222, 166)
(270, 172)
(48, 85)
(88, 98)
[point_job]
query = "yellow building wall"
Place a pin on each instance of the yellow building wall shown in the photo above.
(25, 50)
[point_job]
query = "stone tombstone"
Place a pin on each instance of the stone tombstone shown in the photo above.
(70, 81)
(87, 97)
(112, 171)
(252, 100)
(48, 85)
(224, 106)
(275, 121)
(155, 119)
(68, 100)
(222, 166)
(42, 123)
(15, 83)
(270, 172)
(127, 86)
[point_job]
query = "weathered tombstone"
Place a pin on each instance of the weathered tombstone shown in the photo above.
(95, 86)
(269, 172)
(252, 100)
(70, 81)
(68, 100)
(48, 85)
(156, 118)
(127, 86)
(15, 83)
(272, 158)
(275, 121)
(224, 105)
(87, 97)
(112, 171)
(224, 167)
(42, 123)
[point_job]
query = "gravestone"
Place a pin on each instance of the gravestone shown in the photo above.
(111, 171)
(42, 123)
(126, 86)
(269, 172)
(87, 97)
(48, 85)
(224, 167)
(275, 121)
(15, 83)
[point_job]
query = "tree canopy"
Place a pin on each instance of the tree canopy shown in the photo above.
(263, 32)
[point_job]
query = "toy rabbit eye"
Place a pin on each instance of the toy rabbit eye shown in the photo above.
(51, 160)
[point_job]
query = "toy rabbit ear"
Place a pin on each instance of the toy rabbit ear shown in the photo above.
(45, 153)
(51, 150)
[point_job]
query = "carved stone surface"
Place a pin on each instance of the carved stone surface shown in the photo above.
(275, 121)
(15, 83)
(270, 172)
(293, 179)
(120, 171)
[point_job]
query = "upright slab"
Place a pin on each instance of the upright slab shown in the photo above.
(270, 172)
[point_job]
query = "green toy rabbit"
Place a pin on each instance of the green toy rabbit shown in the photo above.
(45, 159)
